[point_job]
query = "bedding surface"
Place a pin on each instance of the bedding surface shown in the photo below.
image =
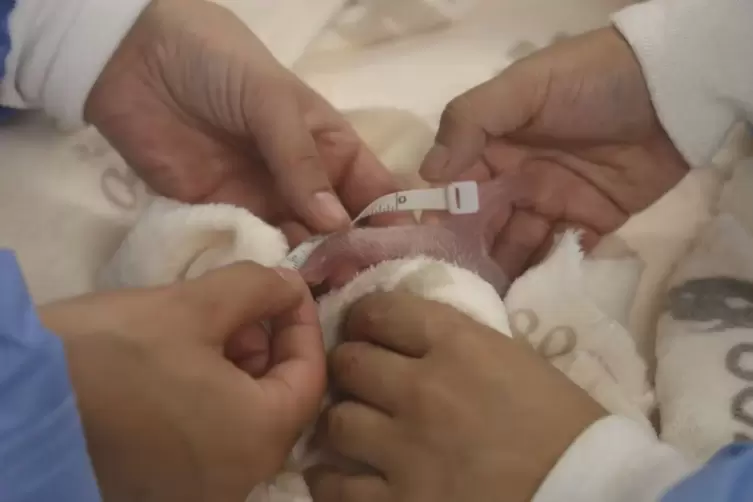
(68, 201)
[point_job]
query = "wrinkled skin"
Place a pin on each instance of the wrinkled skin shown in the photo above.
(166, 416)
(574, 125)
(442, 409)
(203, 112)
(571, 129)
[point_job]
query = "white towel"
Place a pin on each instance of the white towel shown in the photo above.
(174, 241)
(704, 378)
(574, 311)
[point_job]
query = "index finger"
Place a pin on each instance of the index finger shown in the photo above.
(358, 176)
(365, 182)
(236, 295)
(295, 384)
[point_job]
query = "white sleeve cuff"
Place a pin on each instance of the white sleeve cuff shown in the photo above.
(696, 58)
(615, 460)
(59, 48)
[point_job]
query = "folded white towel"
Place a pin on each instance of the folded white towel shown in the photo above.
(704, 377)
(174, 241)
(574, 311)
(661, 235)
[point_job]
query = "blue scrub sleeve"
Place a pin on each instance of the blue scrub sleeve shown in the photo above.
(43, 454)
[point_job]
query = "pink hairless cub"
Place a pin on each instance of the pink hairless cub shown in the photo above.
(464, 240)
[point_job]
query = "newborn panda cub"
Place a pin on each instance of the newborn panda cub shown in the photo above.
(446, 261)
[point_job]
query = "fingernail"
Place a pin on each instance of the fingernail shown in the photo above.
(341, 139)
(256, 365)
(329, 210)
(435, 163)
(288, 275)
(293, 278)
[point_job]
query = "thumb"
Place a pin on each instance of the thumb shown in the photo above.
(235, 296)
(289, 148)
(238, 295)
(497, 107)
(296, 382)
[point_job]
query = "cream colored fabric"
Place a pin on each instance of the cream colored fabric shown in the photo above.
(424, 67)
(704, 346)
(68, 202)
(575, 313)
(704, 373)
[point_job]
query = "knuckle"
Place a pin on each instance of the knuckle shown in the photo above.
(468, 338)
(459, 324)
(366, 314)
(437, 318)
(458, 109)
(372, 302)
(201, 311)
(262, 95)
(345, 361)
(323, 485)
(252, 275)
(182, 305)
(338, 419)
(431, 325)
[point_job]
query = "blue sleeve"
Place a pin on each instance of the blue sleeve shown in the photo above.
(6, 7)
(728, 477)
(43, 453)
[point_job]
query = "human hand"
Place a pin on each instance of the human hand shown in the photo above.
(204, 113)
(444, 409)
(166, 415)
(573, 125)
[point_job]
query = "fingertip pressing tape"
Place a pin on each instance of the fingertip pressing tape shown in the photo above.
(456, 198)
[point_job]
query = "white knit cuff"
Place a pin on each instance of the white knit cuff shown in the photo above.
(671, 40)
(616, 460)
(59, 48)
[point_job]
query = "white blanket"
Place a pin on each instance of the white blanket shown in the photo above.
(69, 201)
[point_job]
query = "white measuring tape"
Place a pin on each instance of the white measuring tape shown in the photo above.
(456, 198)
